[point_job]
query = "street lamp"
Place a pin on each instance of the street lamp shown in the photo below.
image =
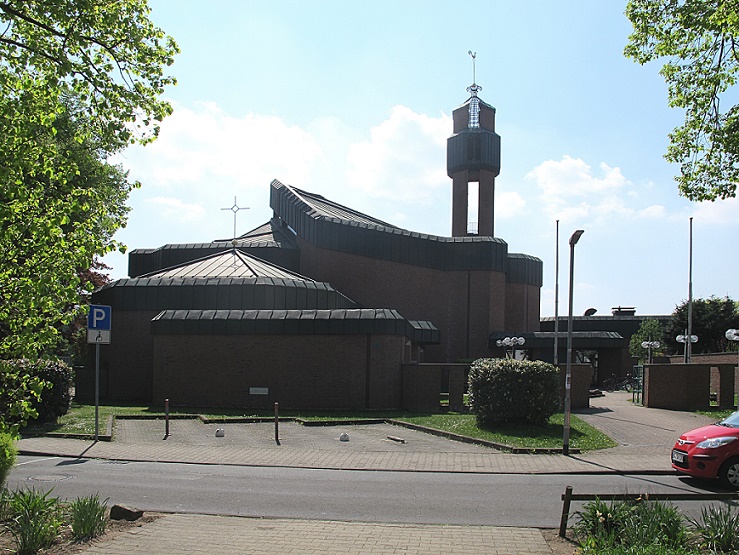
(649, 345)
(568, 376)
(732, 335)
(510, 342)
(687, 341)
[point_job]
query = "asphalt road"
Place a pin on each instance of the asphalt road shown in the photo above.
(402, 497)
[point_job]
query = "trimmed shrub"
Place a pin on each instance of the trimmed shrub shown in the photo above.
(55, 391)
(8, 454)
(513, 391)
(56, 399)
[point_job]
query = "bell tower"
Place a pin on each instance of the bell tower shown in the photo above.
(473, 155)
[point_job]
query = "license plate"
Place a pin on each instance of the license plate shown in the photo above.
(678, 457)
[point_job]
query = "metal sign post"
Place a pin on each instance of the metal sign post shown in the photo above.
(98, 332)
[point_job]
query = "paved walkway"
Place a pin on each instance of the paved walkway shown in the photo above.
(197, 534)
(645, 437)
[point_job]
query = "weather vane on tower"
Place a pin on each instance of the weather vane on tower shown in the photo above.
(473, 89)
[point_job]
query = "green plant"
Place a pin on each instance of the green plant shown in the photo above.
(600, 524)
(513, 391)
(650, 549)
(56, 398)
(34, 521)
(88, 517)
(8, 454)
(718, 529)
(624, 526)
(51, 383)
(655, 523)
(18, 390)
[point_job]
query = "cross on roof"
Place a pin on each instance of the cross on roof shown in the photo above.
(235, 208)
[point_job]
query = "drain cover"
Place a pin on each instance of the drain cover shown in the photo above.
(50, 477)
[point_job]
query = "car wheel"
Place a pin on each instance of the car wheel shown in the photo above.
(728, 474)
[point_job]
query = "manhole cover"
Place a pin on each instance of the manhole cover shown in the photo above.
(49, 477)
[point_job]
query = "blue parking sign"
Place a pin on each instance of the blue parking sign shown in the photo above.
(98, 324)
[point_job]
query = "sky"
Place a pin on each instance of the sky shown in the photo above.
(353, 101)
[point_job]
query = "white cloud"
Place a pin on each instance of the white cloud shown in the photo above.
(204, 147)
(656, 211)
(509, 205)
(572, 177)
(572, 191)
(404, 159)
(175, 209)
(719, 212)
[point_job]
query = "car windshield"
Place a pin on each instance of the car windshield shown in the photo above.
(732, 421)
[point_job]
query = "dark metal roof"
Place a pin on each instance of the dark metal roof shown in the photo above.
(270, 241)
(324, 207)
(331, 226)
(219, 293)
(580, 340)
(229, 264)
(524, 268)
(378, 321)
(626, 326)
(269, 234)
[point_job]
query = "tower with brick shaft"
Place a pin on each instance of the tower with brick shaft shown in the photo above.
(473, 155)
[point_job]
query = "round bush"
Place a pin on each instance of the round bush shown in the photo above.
(56, 399)
(56, 396)
(513, 391)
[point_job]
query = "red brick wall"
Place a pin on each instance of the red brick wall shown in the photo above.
(522, 307)
(677, 386)
(125, 364)
(322, 371)
(443, 297)
(423, 384)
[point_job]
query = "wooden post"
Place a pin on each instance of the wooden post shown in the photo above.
(566, 501)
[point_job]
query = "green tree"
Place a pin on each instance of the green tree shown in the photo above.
(79, 81)
(711, 318)
(73, 336)
(698, 40)
(649, 330)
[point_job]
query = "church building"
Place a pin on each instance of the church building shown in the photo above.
(322, 306)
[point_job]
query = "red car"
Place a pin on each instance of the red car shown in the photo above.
(710, 452)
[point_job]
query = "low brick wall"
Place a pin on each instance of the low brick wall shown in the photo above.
(677, 386)
(580, 385)
(423, 384)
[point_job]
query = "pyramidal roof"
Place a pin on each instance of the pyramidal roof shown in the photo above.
(227, 264)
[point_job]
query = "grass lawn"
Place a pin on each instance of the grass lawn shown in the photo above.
(81, 420)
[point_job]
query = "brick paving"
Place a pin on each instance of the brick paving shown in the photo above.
(645, 437)
(200, 534)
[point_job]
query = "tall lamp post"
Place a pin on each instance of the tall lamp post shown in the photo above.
(568, 376)
(687, 341)
(649, 345)
(556, 297)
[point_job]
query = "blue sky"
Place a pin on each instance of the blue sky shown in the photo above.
(353, 101)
